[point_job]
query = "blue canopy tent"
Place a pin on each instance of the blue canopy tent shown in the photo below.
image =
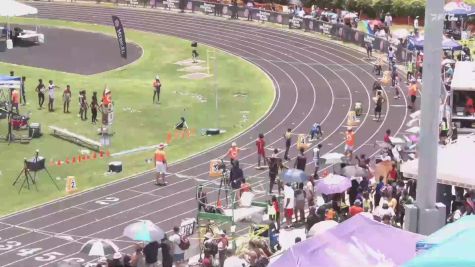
(447, 44)
(455, 252)
(446, 232)
(459, 8)
(9, 81)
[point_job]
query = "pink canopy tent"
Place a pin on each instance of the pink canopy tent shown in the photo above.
(359, 241)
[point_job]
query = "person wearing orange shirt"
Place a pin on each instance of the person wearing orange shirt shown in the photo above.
(233, 152)
(349, 142)
(15, 99)
(160, 165)
(413, 94)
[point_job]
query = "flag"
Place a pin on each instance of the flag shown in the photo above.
(119, 30)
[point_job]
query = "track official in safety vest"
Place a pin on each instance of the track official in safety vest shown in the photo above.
(160, 165)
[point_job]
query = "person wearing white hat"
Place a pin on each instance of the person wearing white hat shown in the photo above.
(160, 165)
(117, 259)
(157, 85)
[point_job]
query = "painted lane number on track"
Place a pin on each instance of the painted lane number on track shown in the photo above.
(9, 245)
(28, 251)
(48, 256)
(107, 200)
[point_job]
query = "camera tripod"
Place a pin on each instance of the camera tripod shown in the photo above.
(28, 179)
(224, 183)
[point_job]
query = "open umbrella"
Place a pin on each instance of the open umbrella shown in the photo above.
(321, 227)
(447, 61)
(332, 184)
(332, 158)
(144, 230)
(458, 8)
(294, 176)
(354, 171)
(99, 247)
(350, 16)
(400, 34)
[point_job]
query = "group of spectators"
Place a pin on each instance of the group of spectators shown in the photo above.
(147, 255)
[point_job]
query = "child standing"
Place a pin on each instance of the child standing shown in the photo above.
(94, 107)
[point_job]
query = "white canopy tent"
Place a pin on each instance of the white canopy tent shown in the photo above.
(11, 8)
(464, 76)
(453, 165)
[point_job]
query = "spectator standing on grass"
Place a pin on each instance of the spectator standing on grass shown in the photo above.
(66, 99)
(289, 199)
(94, 107)
(301, 160)
(83, 106)
(178, 253)
(51, 89)
(288, 142)
(151, 254)
(388, 20)
(41, 90)
(23, 90)
(15, 100)
(157, 85)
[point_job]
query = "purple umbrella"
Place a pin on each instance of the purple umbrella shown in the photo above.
(358, 241)
(332, 184)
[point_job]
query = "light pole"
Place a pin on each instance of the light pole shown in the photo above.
(430, 217)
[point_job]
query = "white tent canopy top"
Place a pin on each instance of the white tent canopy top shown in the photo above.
(10, 8)
(464, 76)
(453, 165)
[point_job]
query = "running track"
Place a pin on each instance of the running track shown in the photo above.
(315, 81)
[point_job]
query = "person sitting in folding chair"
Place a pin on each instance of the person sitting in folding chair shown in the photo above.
(182, 124)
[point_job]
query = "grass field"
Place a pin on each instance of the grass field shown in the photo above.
(137, 122)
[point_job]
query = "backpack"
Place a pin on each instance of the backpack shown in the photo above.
(184, 243)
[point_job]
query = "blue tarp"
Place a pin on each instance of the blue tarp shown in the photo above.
(457, 251)
(447, 44)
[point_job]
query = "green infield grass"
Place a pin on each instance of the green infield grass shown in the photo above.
(245, 95)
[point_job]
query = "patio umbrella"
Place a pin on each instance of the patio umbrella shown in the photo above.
(294, 176)
(99, 247)
(350, 16)
(321, 227)
(459, 8)
(144, 230)
(447, 61)
(354, 171)
(332, 158)
(332, 184)
(397, 140)
(400, 34)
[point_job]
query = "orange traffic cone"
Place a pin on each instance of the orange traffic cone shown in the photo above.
(87, 157)
(94, 156)
(219, 204)
(59, 163)
(74, 160)
(83, 157)
(176, 134)
(79, 159)
(101, 154)
(169, 138)
(108, 153)
(188, 133)
(67, 160)
(51, 163)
